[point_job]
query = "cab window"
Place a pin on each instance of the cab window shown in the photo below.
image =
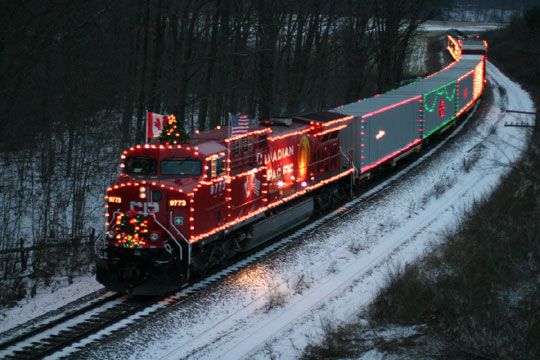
(140, 166)
(180, 168)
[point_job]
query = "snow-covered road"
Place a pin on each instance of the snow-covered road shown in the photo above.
(275, 307)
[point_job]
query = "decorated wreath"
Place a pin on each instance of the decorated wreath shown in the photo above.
(131, 229)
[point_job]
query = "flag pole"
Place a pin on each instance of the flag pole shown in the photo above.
(146, 128)
(228, 172)
(229, 133)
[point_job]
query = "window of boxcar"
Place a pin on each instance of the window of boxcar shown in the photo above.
(180, 168)
(140, 166)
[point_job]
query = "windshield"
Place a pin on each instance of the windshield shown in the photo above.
(140, 166)
(181, 168)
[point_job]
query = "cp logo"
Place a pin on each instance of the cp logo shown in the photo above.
(145, 208)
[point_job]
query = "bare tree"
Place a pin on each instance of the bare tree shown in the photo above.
(395, 24)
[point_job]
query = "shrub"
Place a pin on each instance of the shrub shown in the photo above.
(276, 298)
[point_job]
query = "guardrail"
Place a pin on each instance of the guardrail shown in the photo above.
(81, 240)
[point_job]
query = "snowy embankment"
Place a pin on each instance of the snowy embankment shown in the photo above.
(275, 307)
(48, 299)
(418, 57)
(462, 26)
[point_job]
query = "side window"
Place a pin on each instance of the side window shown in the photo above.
(213, 169)
(262, 142)
(330, 136)
(220, 166)
(235, 147)
(216, 168)
(209, 170)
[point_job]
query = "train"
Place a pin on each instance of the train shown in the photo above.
(178, 210)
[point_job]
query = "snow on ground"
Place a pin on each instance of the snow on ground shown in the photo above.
(479, 15)
(47, 299)
(462, 26)
(275, 307)
(418, 57)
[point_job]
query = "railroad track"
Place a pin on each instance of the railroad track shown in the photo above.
(88, 324)
(13, 336)
(113, 314)
(51, 336)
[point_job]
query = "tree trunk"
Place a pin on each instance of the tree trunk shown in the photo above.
(142, 90)
(155, 79)
(206, 90)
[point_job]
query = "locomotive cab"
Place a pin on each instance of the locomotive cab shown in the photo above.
(148, 218)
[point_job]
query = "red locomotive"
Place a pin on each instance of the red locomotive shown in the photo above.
(179, 209)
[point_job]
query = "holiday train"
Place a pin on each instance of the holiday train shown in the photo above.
(178, 210)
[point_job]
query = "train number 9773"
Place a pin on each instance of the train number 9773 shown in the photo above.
(177, 202)
(217, 187)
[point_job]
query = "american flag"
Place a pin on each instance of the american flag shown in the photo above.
(239, 124)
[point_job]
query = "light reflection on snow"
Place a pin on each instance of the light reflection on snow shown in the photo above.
(258, 278)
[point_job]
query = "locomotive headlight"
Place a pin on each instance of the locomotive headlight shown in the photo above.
(154, 236)
(142, 192)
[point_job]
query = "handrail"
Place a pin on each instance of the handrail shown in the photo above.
(177, 230)
(100, 251)
(349, 160)
(171, 235)
(85, 239)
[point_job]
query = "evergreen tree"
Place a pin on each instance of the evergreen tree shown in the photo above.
(171, 132)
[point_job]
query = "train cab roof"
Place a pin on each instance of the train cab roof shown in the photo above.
(214, 140)
(211, 147)
(320, 117)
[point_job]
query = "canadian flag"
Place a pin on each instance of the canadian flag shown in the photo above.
(154, 124)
